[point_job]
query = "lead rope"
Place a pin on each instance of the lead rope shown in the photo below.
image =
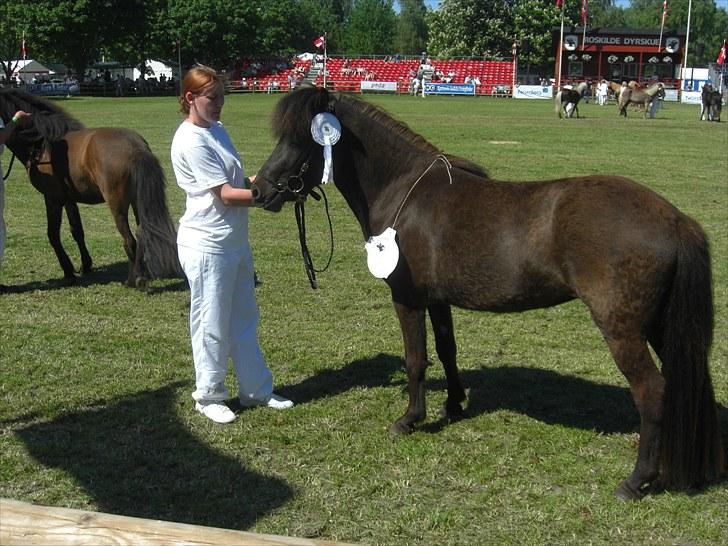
(448, 165)
(10, 167)
(305, 253)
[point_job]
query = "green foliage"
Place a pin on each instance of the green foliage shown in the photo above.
(534, 20)
(471, 28)
(95, 379)
(370, 28)
(411, 37)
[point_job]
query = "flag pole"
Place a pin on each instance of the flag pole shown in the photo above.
(584, 16)
(325, 44)
(561, 45)
(662, 25)
(687, 42)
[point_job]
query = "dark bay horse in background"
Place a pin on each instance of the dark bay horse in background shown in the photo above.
(711, 103)
(570, 97)
(641, 97)
(640, 265)
(71, 164)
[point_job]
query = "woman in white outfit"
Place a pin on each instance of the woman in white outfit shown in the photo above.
(215, 254)
(5, 132)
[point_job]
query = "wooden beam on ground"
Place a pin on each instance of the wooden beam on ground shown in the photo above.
(25, 524)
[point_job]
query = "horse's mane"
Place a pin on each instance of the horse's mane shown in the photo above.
(293, 114)
(48, 122)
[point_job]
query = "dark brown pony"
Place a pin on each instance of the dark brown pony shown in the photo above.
(71, 164)
(640, 265)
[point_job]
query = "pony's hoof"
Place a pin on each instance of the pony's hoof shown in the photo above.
(400, 428)
(70, 280)
(625, 493)
(454, 412)
(141, 283)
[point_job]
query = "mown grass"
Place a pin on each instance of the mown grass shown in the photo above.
(95, 407)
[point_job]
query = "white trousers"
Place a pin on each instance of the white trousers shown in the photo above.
(224, 324)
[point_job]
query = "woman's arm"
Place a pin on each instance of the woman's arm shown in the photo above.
(235, 197)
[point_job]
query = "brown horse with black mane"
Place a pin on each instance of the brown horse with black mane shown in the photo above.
(640, 265)
(71, 164)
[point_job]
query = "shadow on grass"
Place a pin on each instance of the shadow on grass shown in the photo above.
(544, 395)
(115, 273)
(135, 458)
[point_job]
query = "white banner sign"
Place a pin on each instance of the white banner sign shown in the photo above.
(378, 86)
(533, 92)
(692, 97)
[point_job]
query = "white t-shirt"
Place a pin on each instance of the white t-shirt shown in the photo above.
(204, 158)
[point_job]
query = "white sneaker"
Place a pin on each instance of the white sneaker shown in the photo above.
(274, 401)
(216, 411)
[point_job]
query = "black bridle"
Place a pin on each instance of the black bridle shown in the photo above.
(295, 185)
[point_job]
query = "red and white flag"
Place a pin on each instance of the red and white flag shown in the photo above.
(320, 41)
(664, 12)
(23, 51)
(723, 53)
(559, 3)
(584, 12)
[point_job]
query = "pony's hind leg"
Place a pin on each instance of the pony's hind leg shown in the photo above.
(412, 322)
(135, 278)
(441, 319)
(74, 219)
(648, 388)
(54, 214)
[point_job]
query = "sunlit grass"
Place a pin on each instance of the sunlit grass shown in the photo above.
(95, 381)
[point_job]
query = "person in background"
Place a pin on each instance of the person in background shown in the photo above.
(5, 132)
(215, 254)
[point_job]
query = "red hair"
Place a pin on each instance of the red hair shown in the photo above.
(198, 79)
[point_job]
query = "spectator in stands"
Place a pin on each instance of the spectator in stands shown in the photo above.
(5, 132)
(215, 254)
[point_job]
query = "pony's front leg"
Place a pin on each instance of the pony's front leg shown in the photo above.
(412, 322)
(441, 319)
(54, 212)
(74, 219)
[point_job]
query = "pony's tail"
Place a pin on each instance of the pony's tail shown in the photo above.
(157, 238)
(558, 103)
(691, 453)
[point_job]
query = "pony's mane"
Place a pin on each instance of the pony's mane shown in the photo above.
(48, 122)
(293, 114)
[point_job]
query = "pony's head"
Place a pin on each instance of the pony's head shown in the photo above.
(288, 174)
(48, 122)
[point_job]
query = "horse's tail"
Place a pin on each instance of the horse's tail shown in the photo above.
(157, 238)
(558, 103)
(691, 453)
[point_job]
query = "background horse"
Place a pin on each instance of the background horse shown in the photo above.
(569, 97)
(711, 103)
(641, 97)
(70, 164)
(640, 265)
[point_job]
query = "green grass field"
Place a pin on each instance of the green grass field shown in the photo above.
(95, 407)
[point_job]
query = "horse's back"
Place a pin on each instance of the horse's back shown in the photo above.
(100, 162)
(542, 243)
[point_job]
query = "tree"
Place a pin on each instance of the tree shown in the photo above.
(11, 35)
(411, 34)
(370, 28)
(471, 28)
(533, 22)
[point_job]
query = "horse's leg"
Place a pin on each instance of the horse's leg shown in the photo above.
(121, 219)
(647, 386)
(412, 322)
(54, 214)
(441, 319)
(74, 219)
